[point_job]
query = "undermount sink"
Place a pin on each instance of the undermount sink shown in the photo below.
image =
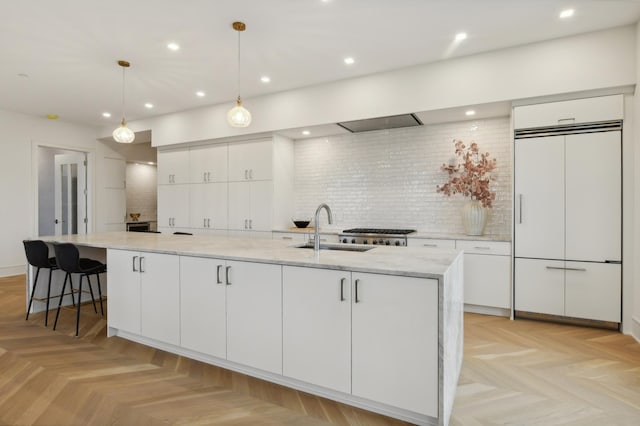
(338, 247)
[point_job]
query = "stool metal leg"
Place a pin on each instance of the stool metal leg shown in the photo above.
(79, 304)
(100, 295)
(93, 299)
(64, 285)
(33, 291)
(46, 315)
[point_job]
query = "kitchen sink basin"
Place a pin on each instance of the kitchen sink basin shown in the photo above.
(337, 247)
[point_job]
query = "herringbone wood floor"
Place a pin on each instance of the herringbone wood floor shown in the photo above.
(514, 372)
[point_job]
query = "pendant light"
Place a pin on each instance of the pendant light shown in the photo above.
(238, 116)
(123, 134)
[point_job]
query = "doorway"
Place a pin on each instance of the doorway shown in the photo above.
(62, 191)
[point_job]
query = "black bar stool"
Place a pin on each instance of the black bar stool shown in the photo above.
(68, 259)
(37, 253)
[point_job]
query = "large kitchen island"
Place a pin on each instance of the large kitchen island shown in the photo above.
(379, 329)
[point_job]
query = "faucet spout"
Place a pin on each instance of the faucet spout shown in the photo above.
(316, 234)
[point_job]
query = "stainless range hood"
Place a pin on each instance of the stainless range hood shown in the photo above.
(381, 123)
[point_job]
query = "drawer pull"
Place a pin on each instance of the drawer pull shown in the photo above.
(482, 248)
(567, 269)
(342, 280)
(218, 280)
(133, 266)
(430, 245)
(228, 269)
(287, 238)
(356, 288)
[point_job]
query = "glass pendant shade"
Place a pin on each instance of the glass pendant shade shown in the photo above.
(123, 134)
(239, 116)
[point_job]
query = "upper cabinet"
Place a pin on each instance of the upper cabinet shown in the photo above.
(251, 160)
(208, 164)
(590, 110)
(173, 167)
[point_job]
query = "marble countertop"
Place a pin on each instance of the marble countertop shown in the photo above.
(421, 262)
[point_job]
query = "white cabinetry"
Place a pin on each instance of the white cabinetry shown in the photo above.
(290, 236)
(203, 317)
(431, 243)
(568, 212)
(247, 160)
(394, 327)
(316, 315)
(250, 205)
(173, 166)
(173, 206)
(254, 315)
(588, 110)
(208, 164)
(144, 297)
(208, 205)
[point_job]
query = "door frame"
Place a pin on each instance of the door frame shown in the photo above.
(91, 186)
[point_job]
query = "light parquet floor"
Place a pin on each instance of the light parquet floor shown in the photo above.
(514, 373)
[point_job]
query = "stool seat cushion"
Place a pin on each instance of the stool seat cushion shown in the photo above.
(91, 266)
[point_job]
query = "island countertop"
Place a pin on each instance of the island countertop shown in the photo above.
(403, 261)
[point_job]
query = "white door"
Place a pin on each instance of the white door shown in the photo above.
(487, 280)
(251, 160)
(123, 303)
(395, 341)
(593, 197)
(593, 291)
(239, 205)
(208, 164)
(539, 286)
(254, 315)
(261, 206)
(173, 206)
(203, 317)
(160, 297)
(173, 166)
(316, 318)
(70, 189)
(539, 197)
(208, 205)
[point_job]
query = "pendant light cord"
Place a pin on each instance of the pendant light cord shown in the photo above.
(123, 83)
(239, 69)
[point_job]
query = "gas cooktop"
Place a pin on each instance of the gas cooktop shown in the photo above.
(379, 231)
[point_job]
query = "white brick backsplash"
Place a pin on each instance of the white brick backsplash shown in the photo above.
(388, 178)
(142, 191)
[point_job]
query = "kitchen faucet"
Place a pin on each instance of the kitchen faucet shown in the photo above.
(316, 240)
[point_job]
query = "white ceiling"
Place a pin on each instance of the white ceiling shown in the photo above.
(69, 48)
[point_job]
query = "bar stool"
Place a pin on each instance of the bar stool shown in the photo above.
(68, 259)
(37, 253)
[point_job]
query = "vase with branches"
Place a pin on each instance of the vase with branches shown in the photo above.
(470, 174)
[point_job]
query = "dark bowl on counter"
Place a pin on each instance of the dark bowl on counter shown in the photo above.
(301, 223)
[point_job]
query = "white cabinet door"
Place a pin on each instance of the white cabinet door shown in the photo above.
(208, 206)
(123, 303)
(261, 206)
(487, 280)
(208, 164)
(254, 315)
(251, 160)
(316, 316)
(593, 291)
(431, 242)
(203, 319)
(239, 205)
(539, 286)
(395, 341)
(586, 110)
(173, 206)
(593, 197)
(539, 197)
(294, 237)
(173, 167)
(160, 297)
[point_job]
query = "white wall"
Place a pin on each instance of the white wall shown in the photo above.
(142, 191)
(388, 178)
(585, 62)
(20, 136)
(633, 264)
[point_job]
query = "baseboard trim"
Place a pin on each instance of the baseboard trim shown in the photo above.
(487, 310)
(635, 328)
(567, 320)
(9, 271)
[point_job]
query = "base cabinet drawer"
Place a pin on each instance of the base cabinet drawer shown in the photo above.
(487, 280)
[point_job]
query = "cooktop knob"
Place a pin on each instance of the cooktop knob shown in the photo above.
(365, 242)
(381, 241)
(375, 242)
(353, 241)
(344, 240)
(387, 243)
(397, 243)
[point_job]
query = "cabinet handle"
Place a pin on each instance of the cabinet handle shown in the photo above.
(567, 269)
(208, 223)
(204, 223)
(142, 264)
(287, 238)
(356, 286)
(342, 280)
(204, 176)
(482, 248)
(250, 173)
(133, 264)
(250, 224)
(615, 262)
(245, 223)
(227, 274)
(218, 280)
(246, 174)
(208, 176)
(430, 245)
(519, 208)
(566, 120)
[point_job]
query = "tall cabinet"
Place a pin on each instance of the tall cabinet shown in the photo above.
(568, 209)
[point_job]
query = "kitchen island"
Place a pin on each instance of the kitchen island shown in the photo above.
(379, 329)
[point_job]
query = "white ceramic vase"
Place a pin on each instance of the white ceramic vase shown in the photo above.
(474, 217)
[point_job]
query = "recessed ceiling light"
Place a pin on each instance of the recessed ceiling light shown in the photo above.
(461, 36)
(200, 94)
(265, 79)
(148, 105)
(306, 132)
(470, 112)
(151, 163)
(349, 61)
(567, 13)
(106, 114)
(173, 46)
(52, 116)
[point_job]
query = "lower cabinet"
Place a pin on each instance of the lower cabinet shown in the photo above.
(254, 315)
(583, 290)
(203, 316)
(143, 298)
(316, 333)
(395, 341)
